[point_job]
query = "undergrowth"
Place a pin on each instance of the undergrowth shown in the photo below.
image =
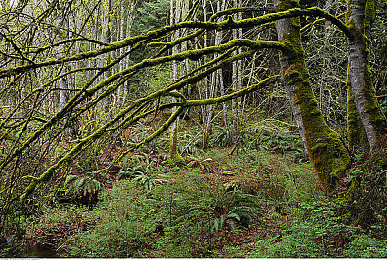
(249, 204)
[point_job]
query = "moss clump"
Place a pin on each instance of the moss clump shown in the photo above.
(173, 150)
(285, 5)
(370, 11)
(206, 139)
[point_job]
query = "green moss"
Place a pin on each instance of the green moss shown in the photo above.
(326, 150)
(288, 4)
(370, 11)
(240, 93)
(174, 154)
(205, 141)
(376, 118)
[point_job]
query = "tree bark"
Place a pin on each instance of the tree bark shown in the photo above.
(356, 134)
(173, 147)
(359, 20)
(325, 148)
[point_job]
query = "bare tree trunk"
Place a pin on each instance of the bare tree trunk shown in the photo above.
(175, 16)
(206, 83)
(236, 105)
(63, 92)
(120, 90)
(108, 32)
(214, 84)
(100, 34)
(221, 83)
(356, 134)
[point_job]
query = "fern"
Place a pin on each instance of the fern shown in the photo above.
(221, 137)
(80, 189)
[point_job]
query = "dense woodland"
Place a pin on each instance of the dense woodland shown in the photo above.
(193, 128)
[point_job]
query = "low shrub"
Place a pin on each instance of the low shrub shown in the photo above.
(122, 220)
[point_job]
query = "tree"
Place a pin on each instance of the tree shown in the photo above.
(30, 139)
(360, 16)
(325, 148)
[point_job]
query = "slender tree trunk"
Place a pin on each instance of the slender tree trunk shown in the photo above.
(235, 87)
(128, 34)
(325, 148)
(100, 34)
(109, 57)
(174, 18)
(221, 85)
(121, 88)
(207, 86)
(63, 89)
(356, 134)
(359, 19)
(237, 74)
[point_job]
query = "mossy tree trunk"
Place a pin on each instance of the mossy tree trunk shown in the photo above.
(359, 19)
(325, 148)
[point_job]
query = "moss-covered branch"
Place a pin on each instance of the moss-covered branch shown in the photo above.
(168, 45)
(333, 19)
(224, 25)
(80, 56)
(70, 105)
(320, 21)
(191, 54)
(41, 49)
(234, 95)
(140, 108)
(83, 143)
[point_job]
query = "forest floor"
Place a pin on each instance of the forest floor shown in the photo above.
(260, 201)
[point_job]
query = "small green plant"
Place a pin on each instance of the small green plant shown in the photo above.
(57, 224)
(188, 144)
(220, 137)
(319, 230)
(137, 164)
(79, 189)
(364, 246)
(315, 232)
(148, 181)
(142, 169)
(122, 220)
(198, 162)
(215, 209)
(240, 209)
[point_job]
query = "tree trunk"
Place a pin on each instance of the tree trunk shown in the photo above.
(108, 35)
(173, 147)
(209, 85)
(236, 82)
(359, 19)
(356, 134)
(325, 148)
(128, 34)
(121, 88)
